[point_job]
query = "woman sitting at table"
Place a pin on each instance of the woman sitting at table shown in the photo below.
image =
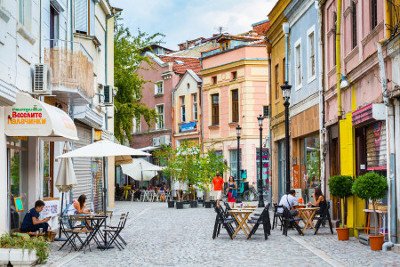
(79, 205)
(231, 190)
(319, 201)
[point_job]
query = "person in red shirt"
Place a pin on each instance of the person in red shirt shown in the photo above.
(218, 184)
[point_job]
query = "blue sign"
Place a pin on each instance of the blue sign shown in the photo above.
(187, 127)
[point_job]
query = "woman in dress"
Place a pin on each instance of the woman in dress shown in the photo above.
(319, 201)
(79, 205)
(232, 189)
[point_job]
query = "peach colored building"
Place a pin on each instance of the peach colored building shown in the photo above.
(235, 92)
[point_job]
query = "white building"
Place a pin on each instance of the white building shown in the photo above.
(74, 41)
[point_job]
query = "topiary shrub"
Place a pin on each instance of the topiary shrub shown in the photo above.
(371, 186)
(340, 186)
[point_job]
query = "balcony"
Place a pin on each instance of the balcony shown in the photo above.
(72, 72)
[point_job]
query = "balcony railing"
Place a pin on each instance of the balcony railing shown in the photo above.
(71, 69)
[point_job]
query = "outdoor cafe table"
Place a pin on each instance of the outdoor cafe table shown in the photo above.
(241, 216)
(95, 221)
(307, 215)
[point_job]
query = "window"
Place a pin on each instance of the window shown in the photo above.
(215, 109)
(233, 161)
(194, 101)
(374, 13)
(311, 54)
(136, 125)
(297, 64)
(265, 111)
(233, 75)
(276, 81)
(353, 24)
(235, 105)
(160, 117)
(159, 88)
(183, 110)
(84, 16)
(214, 79)
(54, 26)
(25, 13)
(334, 38)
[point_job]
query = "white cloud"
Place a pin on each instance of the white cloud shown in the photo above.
(182, 20)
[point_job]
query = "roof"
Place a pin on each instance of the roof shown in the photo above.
(181, 64)
(196, 50)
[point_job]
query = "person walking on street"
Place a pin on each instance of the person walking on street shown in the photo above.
(232, 190)
(218, 184)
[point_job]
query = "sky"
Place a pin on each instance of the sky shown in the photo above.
(182, 20)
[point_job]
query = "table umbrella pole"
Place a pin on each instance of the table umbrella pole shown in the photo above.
(105, 246)
(59, 230)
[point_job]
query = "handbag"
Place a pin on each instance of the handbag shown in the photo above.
(234, 193)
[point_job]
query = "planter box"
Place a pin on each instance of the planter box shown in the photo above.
(179, 205)
(171, 204)
(4, 256)
(23, 257)
(193, 204)
(207, 204)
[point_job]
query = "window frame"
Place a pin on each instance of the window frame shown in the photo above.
(277, 87)
(233, 75)
(373, 13)
(214, 80)
(25, 13)
(160, 115)
(194, 108)
(182, 108)
(334, 19)
(297, 47)
(354, 39)
(311, 58)
(235, 114)
(156, 87)
(214, 107)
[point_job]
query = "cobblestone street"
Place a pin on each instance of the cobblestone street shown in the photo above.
(159, 236)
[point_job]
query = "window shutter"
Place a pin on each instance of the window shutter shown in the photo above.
(81, 16)
(92, 17)
(155, 88)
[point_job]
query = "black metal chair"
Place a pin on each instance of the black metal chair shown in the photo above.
(323, 217)
(262, 219)
(222, 220)
(277, 216)
(114, 233)
(289, 221)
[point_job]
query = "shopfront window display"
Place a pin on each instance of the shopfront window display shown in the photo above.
(311, 159)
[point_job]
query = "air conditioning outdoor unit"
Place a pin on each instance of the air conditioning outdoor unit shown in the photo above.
(41, 79)
(156, 141)
(165, 140)
(108, 95)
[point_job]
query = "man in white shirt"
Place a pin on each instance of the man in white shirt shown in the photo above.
(289, 201)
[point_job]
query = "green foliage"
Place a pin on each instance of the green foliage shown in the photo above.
(340, 186)
(128, 54)
(370, 186)
(15, 173)
(38, 244)
(313, 166)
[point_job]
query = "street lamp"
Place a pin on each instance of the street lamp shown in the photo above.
(286, 96)
(260, 182)
(238, 128)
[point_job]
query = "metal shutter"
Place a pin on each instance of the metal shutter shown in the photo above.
(83, 167)
(81, 16)
(376, 146)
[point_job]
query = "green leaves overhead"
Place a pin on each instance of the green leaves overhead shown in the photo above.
(128, 55)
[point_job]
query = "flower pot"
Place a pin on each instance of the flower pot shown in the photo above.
(376, 242)
(342, 233)
(179, 205)
(4, 256)
(171, 203)
(23, 257)
(207, 204)
(193, 204)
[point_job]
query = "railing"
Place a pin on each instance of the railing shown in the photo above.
(71, 66)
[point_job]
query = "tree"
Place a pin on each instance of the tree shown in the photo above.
(128, 55)
(340, 186)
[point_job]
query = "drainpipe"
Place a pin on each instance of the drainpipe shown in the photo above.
(390, 151)
(269, 118)
(321, 99)
(338, 59)
(40, 31)
(72, 25)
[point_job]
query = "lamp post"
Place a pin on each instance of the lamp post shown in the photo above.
(238, 179)
(260, 181)
(286, 96)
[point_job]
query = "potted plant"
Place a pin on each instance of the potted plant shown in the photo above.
(340, 186)
(23, 250)
(372, 186)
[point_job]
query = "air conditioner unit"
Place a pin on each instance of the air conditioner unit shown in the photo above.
(108, 95)
(165, 140)
(156, 141)
(41, 79)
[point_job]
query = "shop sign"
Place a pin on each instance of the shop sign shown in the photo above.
(296, 176)
(51, 208)
(188, 127)
(26, 115)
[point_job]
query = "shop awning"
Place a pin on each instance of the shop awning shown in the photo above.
(141, 170)
(31, 117)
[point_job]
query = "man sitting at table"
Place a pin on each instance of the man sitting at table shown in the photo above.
(31, 222)
(289, 201)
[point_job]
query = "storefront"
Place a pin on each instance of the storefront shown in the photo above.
(31, 127)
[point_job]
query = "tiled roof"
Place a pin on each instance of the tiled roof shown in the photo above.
(196, 50)
(181, 64)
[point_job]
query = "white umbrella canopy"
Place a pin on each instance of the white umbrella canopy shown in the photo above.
(66, 178)
(104, 148)
(141, 170)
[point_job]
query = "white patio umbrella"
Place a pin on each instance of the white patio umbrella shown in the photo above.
(141, 170)
(65, 180)
(104, 149)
